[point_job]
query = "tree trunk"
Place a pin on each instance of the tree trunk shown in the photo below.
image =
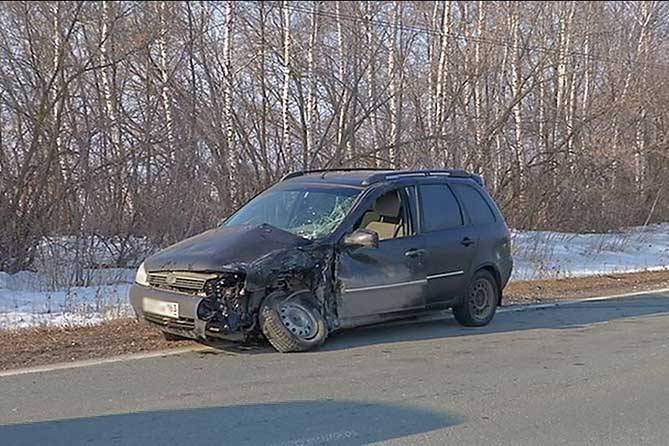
(516, 84)
(442, 83)
(285, 97)
(232, 157)
(393, 74)
(478, 77)
(312, 106)
(371, 84)
(164, 79)
(343, 141)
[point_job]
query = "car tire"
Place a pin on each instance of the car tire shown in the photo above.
(480, 303)
(291, 323)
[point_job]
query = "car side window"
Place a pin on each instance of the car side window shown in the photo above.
(389, 216)
(475, 205)
(439, 208)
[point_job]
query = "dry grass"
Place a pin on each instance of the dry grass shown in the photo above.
(548, 290)
(47, 345)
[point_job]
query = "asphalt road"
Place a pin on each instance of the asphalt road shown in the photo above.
(590, 373)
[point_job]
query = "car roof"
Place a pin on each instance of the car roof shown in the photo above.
(365, 177)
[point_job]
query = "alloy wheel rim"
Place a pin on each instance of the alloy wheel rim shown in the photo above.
(298, 320)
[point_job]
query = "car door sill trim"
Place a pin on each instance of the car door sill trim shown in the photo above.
(391, 285)
(442, 275)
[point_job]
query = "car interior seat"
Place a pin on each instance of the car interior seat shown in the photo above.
(385, 219)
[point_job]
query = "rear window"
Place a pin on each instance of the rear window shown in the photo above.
(440, 209)
(475, 205)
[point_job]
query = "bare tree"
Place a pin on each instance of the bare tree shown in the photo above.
(442, 80)
(394, 69)
(227, 95)
(312, 105)
(286, 146)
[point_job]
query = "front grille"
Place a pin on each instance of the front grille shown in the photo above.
(183, 323)
(184, 281)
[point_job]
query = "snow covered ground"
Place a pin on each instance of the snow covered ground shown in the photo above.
(543, 254)
(27, 298)
(77, 306)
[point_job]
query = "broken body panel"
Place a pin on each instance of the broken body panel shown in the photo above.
(249, 263)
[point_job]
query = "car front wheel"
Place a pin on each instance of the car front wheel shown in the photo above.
(291, 323)
(479, 305)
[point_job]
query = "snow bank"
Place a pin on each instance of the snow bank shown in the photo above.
(32, 281)
(25, 299)
(76, 306)
(543, 254)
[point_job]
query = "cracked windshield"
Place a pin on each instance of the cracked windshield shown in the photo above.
(311, 214)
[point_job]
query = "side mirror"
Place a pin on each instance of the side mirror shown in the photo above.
(362, 238)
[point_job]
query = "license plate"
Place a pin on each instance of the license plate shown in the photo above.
(160, 307)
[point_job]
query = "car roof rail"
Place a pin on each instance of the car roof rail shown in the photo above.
(452, 173)
(300, 173)
(384, 174)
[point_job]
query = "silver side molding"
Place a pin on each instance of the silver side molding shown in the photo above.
(441, 275)
(391, 285)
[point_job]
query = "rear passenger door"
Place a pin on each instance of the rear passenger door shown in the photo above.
(450, 245)
(492, 234)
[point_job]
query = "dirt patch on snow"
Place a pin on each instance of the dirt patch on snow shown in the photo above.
(538, 291)
(48, 345)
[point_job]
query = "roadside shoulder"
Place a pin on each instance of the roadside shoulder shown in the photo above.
(50, 348)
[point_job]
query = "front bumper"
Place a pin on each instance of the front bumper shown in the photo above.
(188, 324)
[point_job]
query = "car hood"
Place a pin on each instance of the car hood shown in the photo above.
(224, 249)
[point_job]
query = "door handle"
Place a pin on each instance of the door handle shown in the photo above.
(467, 241)
(414, 252)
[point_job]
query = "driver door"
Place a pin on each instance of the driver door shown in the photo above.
(390, 277)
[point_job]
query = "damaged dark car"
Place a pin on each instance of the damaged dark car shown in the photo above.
(322, 251)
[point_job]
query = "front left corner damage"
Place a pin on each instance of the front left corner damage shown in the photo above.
(309, 268)
(234, 299)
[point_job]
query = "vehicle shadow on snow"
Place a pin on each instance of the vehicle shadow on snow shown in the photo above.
(295, 423)
(564, 316)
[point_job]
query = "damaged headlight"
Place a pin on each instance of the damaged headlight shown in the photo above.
(141, 277)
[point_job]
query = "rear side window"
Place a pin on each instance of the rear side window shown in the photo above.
(476, 206)
(440, 209)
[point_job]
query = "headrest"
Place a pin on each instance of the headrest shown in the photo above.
(388, 205)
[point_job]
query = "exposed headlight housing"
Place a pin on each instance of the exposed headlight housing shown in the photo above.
(142, 278)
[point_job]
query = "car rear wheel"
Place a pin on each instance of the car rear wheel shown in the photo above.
(291, 323)
(480, 303)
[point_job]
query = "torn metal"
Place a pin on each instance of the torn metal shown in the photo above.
(266, 259)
